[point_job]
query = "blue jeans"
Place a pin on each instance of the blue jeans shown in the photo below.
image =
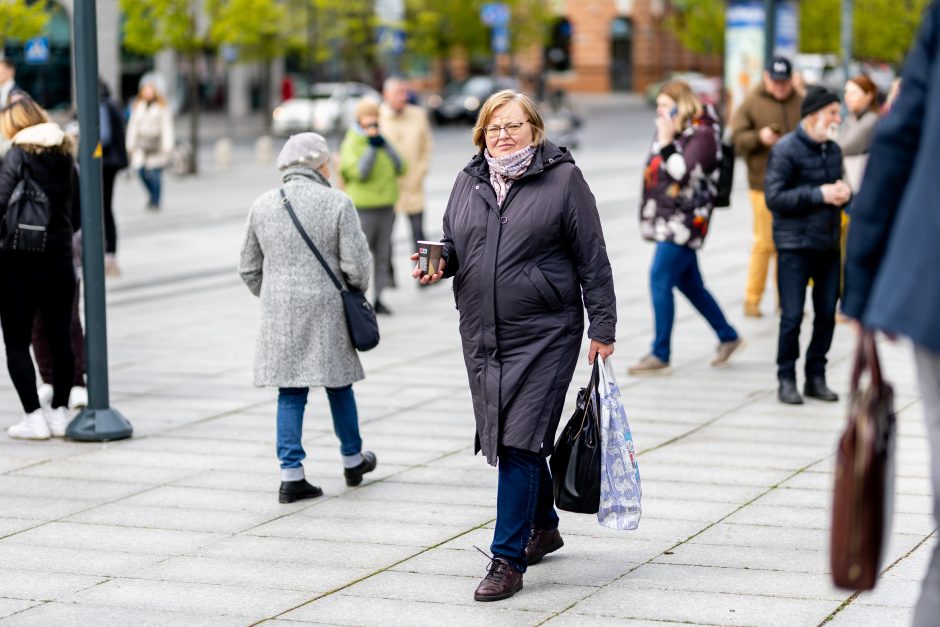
(151, 180)
(677, 266)
(290, 421)
(524, 498)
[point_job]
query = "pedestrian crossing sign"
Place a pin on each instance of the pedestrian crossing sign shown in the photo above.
(37, 50)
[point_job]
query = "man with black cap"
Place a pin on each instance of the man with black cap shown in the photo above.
(806, 193)
(771, 110)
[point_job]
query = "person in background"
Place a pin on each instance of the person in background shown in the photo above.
(891, 278)
(44, 281)
(524, 243)
(150, 139)
(8, 86)
(858, 127)
(806, 194)
(679, 186)
(113, 160)
(406, 127)
(370, 167)
(303, 340)
(768, 112)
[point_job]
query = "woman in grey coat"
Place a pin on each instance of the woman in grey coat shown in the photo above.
(303, 340)
(523, 241)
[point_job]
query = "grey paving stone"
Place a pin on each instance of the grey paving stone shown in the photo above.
(42, 509)
(41, 488)
(57, 613)
(173, 518)
(914, 567)
(9, 607)
(253, 573)
(57, 559)
(810, 518)
(342, 609)
(76, 470)
(567, 619)
(681, 490)
(417, 493)
(898, 593)
(459, 591)
(214, 600)
(369, 530)
(213, 499)
(9, 526)
(702, 607)
(872, 616)
(128, 539)
(743, 557)
(37, 586)
(324, 553)
(427, 514)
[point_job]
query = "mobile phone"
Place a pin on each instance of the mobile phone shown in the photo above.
(674, 112)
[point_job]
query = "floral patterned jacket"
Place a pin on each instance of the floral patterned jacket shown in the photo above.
(680, 182)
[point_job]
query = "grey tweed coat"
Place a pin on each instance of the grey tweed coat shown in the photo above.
(303, 340)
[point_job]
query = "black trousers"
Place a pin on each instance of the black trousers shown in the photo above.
(43, 283)
(795, 268)
(107, 192)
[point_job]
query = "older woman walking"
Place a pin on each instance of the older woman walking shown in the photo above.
(523, 241)
(303, 340)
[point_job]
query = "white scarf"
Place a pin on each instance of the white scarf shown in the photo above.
(506, 169)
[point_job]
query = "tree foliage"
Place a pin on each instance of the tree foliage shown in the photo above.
(21, 20)
(261, 30)
(699, 25)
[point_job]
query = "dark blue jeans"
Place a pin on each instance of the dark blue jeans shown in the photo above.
(794, 270)
(677, 267)
(524, 497)
(290, 421)
(151, 180)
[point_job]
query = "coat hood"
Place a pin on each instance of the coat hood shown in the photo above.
(46, 135)
(546, 156)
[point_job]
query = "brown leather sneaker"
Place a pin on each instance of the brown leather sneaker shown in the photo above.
(541, 543)
(752, 311)
(501, 582)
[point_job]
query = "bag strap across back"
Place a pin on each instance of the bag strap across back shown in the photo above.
(310, 244)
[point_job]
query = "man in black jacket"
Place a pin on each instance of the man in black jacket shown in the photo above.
(805, 192)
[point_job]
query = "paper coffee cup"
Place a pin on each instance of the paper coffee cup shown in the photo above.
(429, 256)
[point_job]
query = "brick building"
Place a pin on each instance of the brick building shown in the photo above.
(617, 45)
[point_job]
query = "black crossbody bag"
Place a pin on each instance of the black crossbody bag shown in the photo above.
(360, 317)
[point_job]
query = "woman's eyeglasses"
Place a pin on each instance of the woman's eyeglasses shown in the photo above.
(512, 129)
(373, 125)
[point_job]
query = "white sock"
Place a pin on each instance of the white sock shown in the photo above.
(292, 474)
(351, 461)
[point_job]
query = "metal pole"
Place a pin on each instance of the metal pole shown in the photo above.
(770, 29)
(847, 37)
(97, 422)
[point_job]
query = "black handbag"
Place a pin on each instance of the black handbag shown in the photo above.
(360, 317)
(576, 462)
(26, 224)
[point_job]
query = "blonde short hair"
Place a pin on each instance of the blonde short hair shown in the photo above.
(688, 105)
(496, 101)
(21, 114)
(366, 107)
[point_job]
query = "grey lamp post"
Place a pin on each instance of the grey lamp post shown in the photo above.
(97, 422)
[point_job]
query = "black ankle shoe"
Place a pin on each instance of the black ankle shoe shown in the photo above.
(354, 475)
(816, 387)
(787, 392)
(381, 309)
(297, 490)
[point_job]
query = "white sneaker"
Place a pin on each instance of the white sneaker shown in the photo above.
(45, 395)
(78, 397)
(57, 419)
(32, 427)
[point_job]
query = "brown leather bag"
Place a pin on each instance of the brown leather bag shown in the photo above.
(864, 486)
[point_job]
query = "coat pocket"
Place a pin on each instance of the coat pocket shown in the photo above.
(546, 290)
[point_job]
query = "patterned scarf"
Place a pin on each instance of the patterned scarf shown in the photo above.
(506, 169)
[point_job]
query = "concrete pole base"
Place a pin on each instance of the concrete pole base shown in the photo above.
(99, 425)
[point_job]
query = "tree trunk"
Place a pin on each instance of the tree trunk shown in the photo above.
(193, 115)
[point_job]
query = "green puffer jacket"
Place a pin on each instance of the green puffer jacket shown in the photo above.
(379, 187)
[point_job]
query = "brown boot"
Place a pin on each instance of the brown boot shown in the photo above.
(541, 543)
(501, 581)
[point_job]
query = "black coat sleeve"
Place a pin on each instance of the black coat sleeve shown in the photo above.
(9, 177)
(586, 238)
(783, 195)
(891, 161)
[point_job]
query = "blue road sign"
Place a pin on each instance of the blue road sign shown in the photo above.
(37, 50)
(495, 14)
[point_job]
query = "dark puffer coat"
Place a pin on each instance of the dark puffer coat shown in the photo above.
(797, 167)
(520, 272)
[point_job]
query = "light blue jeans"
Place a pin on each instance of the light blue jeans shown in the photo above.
(290, 421)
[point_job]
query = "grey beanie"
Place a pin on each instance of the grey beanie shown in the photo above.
(304, 149)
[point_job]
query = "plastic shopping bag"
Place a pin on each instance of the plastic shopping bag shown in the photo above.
(620, 473)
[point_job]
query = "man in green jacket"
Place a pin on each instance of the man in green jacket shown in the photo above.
(370, 167)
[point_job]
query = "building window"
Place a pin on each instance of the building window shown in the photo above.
(558, 50)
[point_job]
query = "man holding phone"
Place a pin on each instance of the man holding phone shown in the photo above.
(769, 112)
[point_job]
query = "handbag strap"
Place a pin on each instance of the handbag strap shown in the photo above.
(866, 358)
(310, 244)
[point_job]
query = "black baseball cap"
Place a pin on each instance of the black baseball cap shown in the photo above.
(780, 68)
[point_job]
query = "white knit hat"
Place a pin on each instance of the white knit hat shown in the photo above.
(306, 149)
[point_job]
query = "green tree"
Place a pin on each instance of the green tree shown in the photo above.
(699, 25)
(178, 25)
(20, 19)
